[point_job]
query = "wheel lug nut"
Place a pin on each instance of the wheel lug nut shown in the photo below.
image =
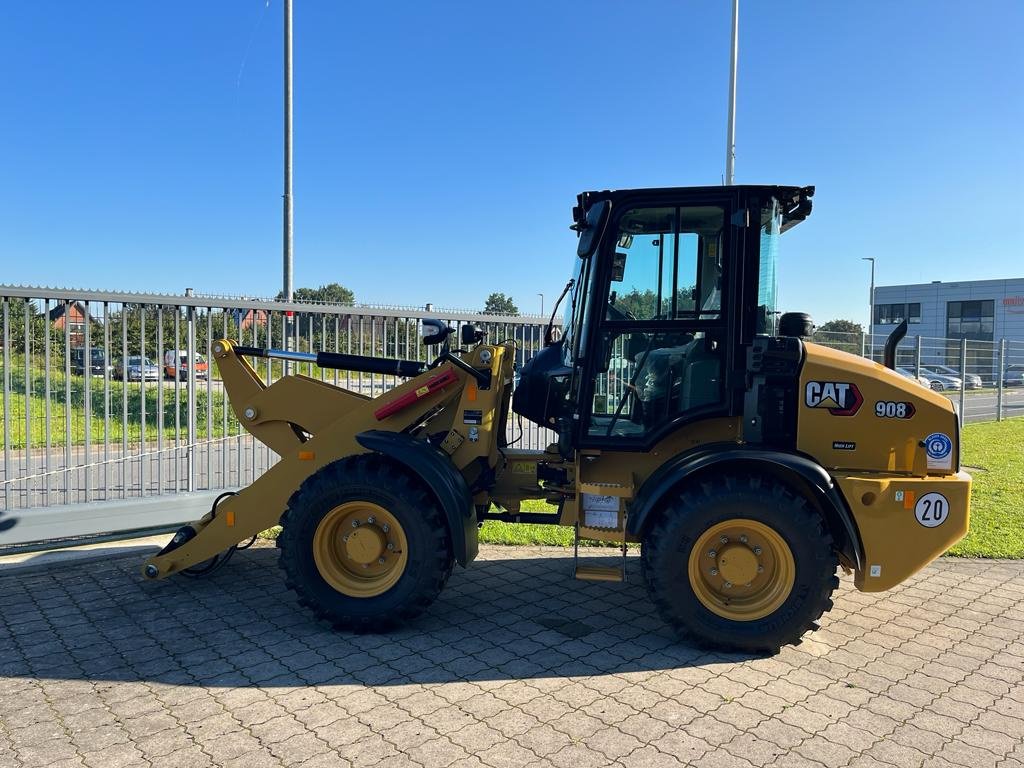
(345, 537)
(712, 553)
(727, 584)
(714, 571)
(371, 520)
(355, 523)
(724, 539)
(380, 561)
(385, 527)
(390, 546)
(743, 539)
(747, 584)
(757, 550)
(760, 569)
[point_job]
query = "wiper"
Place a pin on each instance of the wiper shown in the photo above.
(548, 341)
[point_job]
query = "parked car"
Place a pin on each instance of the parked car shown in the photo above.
(970, 380)
(942, 381)
(1013, 376)
(97, 361)
(137, 368)
(922, 380)
(176, 365)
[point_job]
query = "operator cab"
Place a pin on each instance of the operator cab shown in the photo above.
(670, 289)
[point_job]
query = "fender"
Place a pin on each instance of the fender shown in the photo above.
(790, 467)
(445, 482)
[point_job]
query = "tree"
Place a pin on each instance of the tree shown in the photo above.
(500, 304)
(844, 335)
(841, 326)
(332, 293)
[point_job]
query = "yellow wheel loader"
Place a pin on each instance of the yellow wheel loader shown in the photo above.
(748, 462)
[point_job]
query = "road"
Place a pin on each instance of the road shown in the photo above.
(981, 406)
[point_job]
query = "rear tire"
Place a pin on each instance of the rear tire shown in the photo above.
(397, 567)
(786, 586)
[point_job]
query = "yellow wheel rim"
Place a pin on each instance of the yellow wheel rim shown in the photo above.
(360, 549)
(741, 569)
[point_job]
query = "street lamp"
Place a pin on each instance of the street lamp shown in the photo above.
(871, 310)
(730, 141)
(541, 304)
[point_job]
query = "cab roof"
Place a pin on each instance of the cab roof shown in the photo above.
(795, 201)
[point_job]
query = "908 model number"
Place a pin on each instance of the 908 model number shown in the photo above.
(890, 409)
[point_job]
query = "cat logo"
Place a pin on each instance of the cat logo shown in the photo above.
(841, 398)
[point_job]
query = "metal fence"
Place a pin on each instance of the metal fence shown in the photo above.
(100, 402)
(984, 379)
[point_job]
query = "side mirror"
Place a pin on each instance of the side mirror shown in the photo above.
(471, 334)
(592, 228)
(434, 331)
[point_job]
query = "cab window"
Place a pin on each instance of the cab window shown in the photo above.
(667, 264)
(661, 342)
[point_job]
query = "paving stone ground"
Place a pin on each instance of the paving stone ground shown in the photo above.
(515, 665)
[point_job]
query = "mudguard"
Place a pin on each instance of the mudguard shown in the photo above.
(444, 480)
(794, 468)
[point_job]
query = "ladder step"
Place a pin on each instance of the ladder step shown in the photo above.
(598, 573)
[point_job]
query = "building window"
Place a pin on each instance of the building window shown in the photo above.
(970, 320)
(890, 314)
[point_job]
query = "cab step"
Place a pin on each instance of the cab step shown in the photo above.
(598, 573)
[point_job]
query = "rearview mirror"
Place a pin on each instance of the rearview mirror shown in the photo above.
(592, 228)
(433, 331)
(618, 267)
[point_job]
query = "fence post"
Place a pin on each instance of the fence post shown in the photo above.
(999, 380)
(7, 400)
(917, 356)
(963, 374)
(190, 396)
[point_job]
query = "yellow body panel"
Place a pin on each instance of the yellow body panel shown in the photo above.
(881, 462)
(879, 444)
(896, 544)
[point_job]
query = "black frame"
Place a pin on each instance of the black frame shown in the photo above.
(736, 325)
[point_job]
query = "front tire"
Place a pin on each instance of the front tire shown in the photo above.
(364, 544)
(740, 563)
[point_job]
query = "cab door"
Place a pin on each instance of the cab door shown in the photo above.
(659, 351)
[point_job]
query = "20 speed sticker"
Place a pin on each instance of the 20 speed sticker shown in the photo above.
(931, 509)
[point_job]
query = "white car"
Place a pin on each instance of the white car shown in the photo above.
(922, 380)
(942, 381)
(972, 380)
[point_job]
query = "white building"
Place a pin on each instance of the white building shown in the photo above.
(983, 310)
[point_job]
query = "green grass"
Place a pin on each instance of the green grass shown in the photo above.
(124, 402)
(494, 532)
(994, 455)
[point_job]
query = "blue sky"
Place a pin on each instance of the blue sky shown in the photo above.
(439, 146)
